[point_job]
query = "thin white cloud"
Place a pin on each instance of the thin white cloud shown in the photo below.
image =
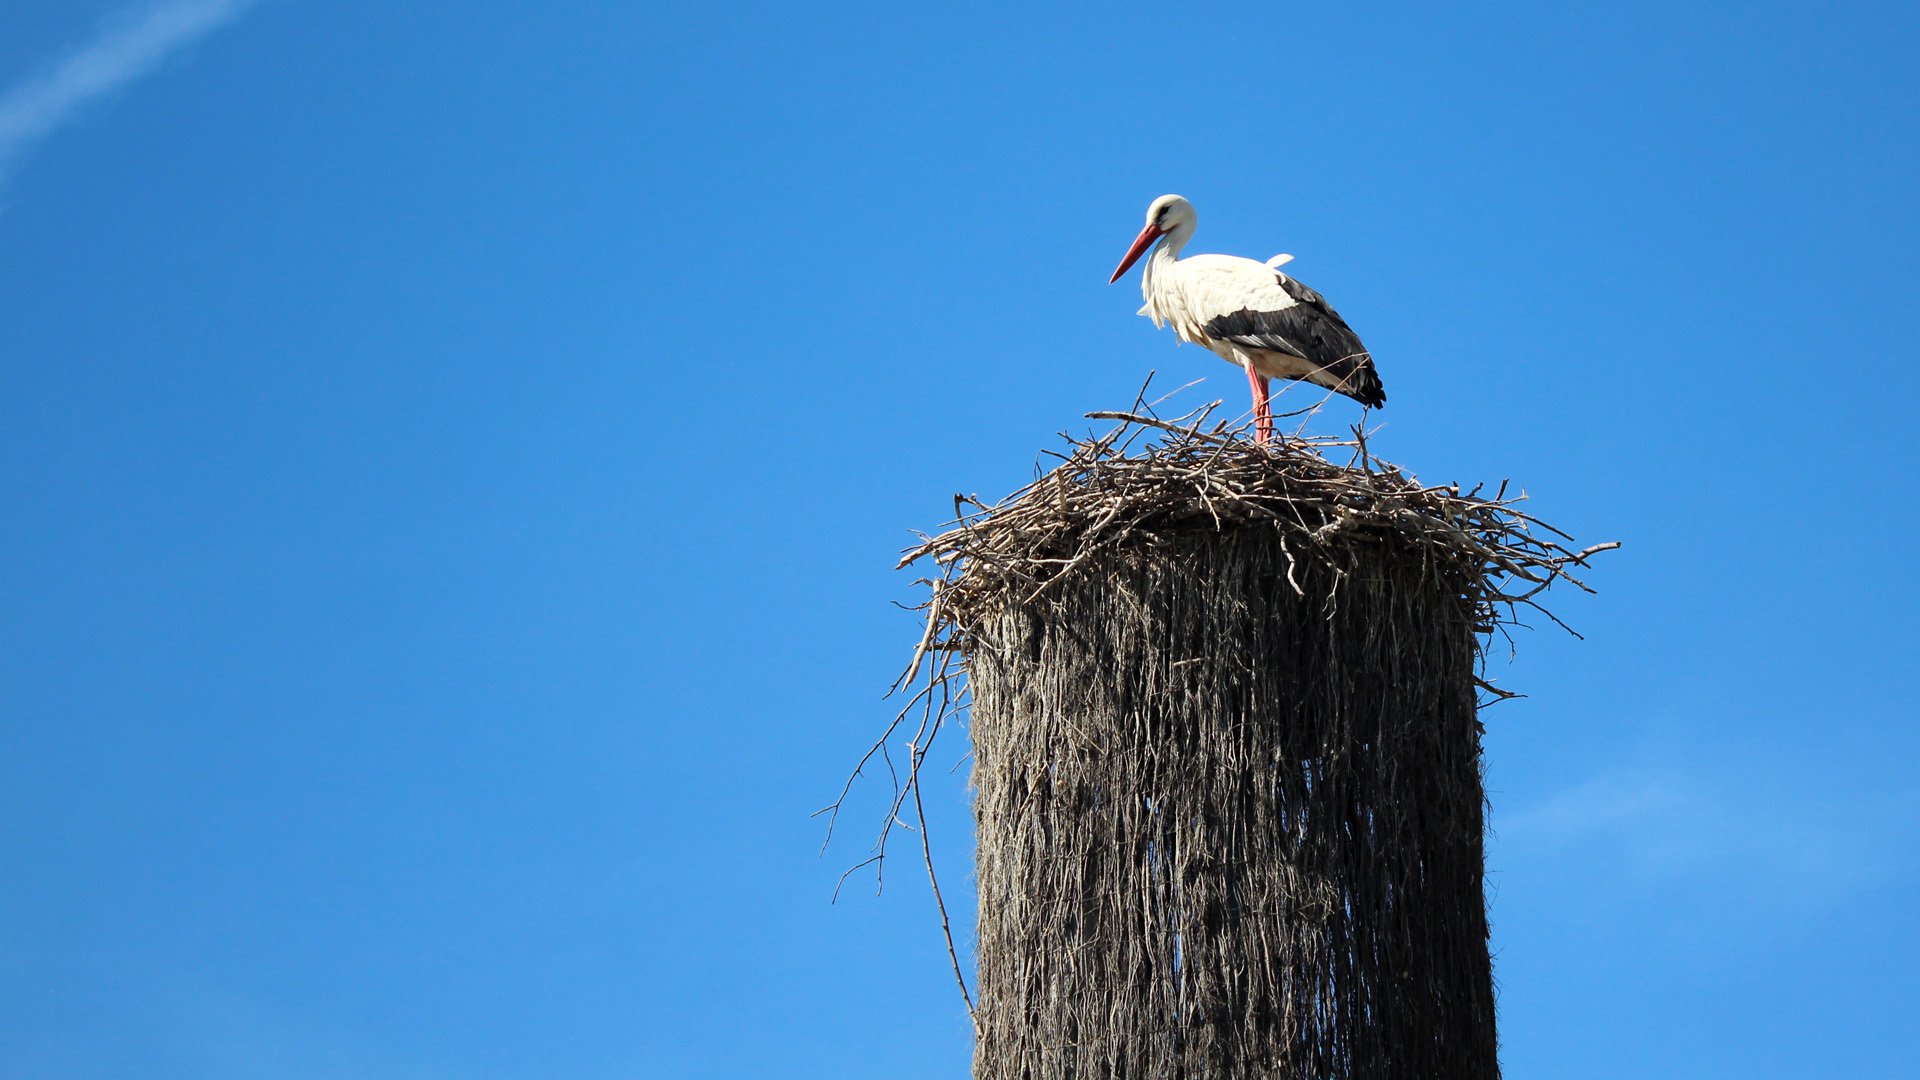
(131, 45)
(1733, 828)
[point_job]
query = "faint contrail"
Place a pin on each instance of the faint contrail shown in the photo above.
(132, 45)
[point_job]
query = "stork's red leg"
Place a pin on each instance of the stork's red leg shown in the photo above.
(1262, 407)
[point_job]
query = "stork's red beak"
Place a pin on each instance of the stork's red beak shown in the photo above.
(1147, 236)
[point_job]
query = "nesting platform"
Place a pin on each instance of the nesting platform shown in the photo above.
(1227, 757)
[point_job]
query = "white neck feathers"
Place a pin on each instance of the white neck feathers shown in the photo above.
(1157, 280)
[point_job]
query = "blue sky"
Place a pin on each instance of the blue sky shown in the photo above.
(454, 455)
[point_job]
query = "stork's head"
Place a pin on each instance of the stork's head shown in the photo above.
(1166, 214)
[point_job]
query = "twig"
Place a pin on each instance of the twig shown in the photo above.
(933, 879)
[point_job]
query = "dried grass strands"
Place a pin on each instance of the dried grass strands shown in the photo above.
(1227, 829)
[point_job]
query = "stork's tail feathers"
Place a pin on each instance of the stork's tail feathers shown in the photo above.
(1355, 377)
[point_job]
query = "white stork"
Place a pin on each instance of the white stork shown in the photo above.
(1250, 313)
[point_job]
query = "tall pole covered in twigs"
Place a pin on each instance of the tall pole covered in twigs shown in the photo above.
(1223, 704)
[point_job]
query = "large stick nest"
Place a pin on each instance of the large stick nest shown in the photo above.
(1105, 494)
